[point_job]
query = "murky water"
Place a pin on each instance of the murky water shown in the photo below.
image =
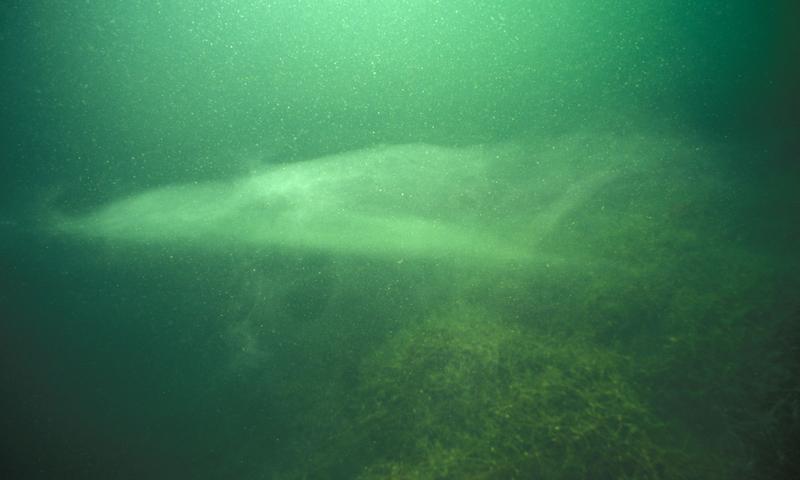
(399, 240)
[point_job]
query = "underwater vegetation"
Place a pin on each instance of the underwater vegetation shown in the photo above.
(631, 329)
(661, 349)
(577, 306)
(466, 394)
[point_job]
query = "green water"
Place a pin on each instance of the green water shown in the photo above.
(399, 240)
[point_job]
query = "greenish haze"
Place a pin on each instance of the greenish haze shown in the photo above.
(348, 239)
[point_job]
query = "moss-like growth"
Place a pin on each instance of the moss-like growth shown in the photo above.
(461, 395)
(664, 347)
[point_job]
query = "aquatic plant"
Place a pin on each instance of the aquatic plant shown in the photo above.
(463, 395)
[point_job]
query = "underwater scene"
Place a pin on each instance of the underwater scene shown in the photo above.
(411, 239)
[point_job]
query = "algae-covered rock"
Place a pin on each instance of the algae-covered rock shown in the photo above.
(463, 395)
